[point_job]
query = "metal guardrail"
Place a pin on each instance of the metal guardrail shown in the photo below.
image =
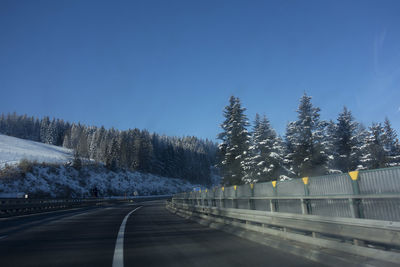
(379, 239)
(303, 204)
(373, 194)
(17, 206)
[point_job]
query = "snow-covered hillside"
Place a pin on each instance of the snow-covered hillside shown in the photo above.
(61, 181)
(57, 179)
(13, 150)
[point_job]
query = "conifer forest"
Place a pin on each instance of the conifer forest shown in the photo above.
(310, 146)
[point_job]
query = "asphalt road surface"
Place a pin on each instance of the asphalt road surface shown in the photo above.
(152, 237)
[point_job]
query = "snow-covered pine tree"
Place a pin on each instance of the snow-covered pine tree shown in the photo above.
(304, 141)
(264, 161)
(346, 142)
(235, 141)
(145, 152)
(249, 162)
(112, 157)
(362, 134)
(36, 131)
(44, 125)
(52, 133)
(329, 146)
(290, 146)
(92, 144)
(373, 152)
(391, 144)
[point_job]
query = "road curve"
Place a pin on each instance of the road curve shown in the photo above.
(152, 237)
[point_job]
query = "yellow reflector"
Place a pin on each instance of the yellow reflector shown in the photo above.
(234, 187)
(251, 186)
(222, 188)
(273, 183)
(354, 175)
(305, 180)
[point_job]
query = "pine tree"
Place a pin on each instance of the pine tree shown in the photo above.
(373, 152)
(44, 125)
(235, 141)
(251, 156)
(328, 143)
(345, 142)
(145, 152)
(304, 141)
(264, 160)
(112, 156)
(290, 147)
(391, 144)
(52, 133)
(362, 134)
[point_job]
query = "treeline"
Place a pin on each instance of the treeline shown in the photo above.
(188, 158)
(310, 146)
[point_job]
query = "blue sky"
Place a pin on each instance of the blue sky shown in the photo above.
(171, 66)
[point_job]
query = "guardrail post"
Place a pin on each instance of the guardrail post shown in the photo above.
(251, 201)
(304, 202)
(234, 200)
(356, 211)
(272, 202)
(206, 199)
(222, 200)
(209, 200)
(202, 199)
(355, 208)
(214, 199)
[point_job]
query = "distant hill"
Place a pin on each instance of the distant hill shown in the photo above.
(186, 157)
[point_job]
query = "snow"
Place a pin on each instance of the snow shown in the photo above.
(283, 178)
(334, 171)
(58, 179)
(274, 155)
(62, 181)
(238, 157)
(13, 150)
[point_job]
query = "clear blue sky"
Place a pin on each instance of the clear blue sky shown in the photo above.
(170, 66)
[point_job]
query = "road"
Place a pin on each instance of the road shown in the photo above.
(152, 237)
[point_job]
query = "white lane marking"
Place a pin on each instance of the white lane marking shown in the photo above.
(118, 260)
